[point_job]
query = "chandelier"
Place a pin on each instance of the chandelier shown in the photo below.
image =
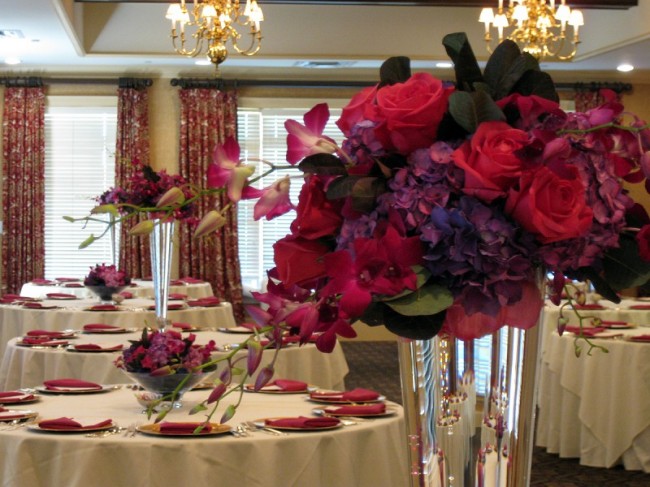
(537, 26)
(210, 24)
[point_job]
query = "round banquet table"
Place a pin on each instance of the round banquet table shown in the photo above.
(139, 288)
(596, 407)
(16, 320)
(371, 453)
(29, 366)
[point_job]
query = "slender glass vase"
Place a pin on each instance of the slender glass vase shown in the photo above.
(161, 247)
(455, 437)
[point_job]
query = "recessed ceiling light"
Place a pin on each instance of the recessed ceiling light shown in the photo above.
(624, 68)
(12, 60)
(445, 65)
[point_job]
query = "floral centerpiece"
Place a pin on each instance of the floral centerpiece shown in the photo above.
(106, 280)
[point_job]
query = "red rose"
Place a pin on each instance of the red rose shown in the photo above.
(408, 114)
(489, 160)
(354, 111)
(643, 241)
(551, 205)
(531, 108)
(316, 216)
(299, 260)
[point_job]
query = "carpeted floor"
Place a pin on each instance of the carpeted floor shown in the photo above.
(374, 365)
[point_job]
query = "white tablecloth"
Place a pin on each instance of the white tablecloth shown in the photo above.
(27, 367)
(368, 454)
(16, 320)
(596, 408)
(140, 289)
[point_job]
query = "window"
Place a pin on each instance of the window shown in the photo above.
(80, 134)
(262, 135)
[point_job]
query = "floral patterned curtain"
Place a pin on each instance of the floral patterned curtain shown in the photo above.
(23, 186)
(132, 147)
(208, 116)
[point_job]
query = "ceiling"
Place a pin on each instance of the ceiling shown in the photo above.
(107, 38)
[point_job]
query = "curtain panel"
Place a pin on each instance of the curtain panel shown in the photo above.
(132, 149)
(208, 117)
(23, 186)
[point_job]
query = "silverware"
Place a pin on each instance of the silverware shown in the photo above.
(102, 434)
(266, 429)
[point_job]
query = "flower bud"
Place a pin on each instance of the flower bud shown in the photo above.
(173, 197)
(211, 222)
(142, 228)
(228, 413)
(254, 358)
(561, 325)
(216, 393)
(264, 377)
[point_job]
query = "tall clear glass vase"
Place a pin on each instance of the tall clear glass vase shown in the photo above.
(469, 408)
(161, 246)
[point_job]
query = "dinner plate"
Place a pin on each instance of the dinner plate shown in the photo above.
(154, 429)
(63, 335)
(83, 429)
(323, 400)
(78, 390)
(16, 414)
(324, 412)
(617, 326)
(25, 399)
(236, 329)
(71, 348)
(108, 331)
(251, 388)
(261, 423)
(41, 306)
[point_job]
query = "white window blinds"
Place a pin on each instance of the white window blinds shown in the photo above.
(79, 165)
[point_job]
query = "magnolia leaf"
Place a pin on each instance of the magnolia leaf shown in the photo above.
(341, 187)
(395, 70)
(466, 67)
(365, 192)
(427, 300)
(623, 267)
(325, 164)
(499, 64)
(537, 83)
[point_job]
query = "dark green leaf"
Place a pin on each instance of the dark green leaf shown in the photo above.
(466, 67)
(517, 69)
(486, 109)
(395, 70)
(499, 64)
(463, 111)
(600, 285)
(425, 301)
(325, 164)
(623, 267)
(365, 192)
(341, 187)
(537, 83)
(415, 327)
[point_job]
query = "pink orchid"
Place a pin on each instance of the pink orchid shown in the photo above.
(227, 170)
(305, 140)
(274, 200)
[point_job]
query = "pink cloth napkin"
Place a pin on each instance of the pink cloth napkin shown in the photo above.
(44, 333)
(171, 427)
(191, 280)
(177, 296)
(69, 384)
(589, 306)
(73, 284)
(171, 306)
(67, 279)
(45, 341)
(104, 307)
(352, 409)
(302, 422)
(34, 305)
(61, 295)
(68, 423)
(6, 394)
(640, 338)
(586, 331)
(176, 282)
(93, 346)
(182, 326)
(100, 327)
(355, 395)
(288, 385)
(640, 306)
(41, 282)
(206, 302)
(126, 295)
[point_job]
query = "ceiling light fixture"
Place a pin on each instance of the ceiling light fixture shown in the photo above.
(537, 26)
(625, 68)
(210, 24)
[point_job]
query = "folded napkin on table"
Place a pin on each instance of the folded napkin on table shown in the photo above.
(177, 296)
(640, 306)
(286, 385)
(302, 422)
(73, 284)
(358, 394)
(61, 295)
(15, 395)
(352, 409)
(176, 282)
(104, 307)
(640, 338)
(45, 341)
(191, 280)
(67, 279)
(93, 346)
(209, 301)
(35, 305)
(171, 306)
(126, 295)
(68, 423)
(589, 306)
(69, 384)
(171, 427)
(100, 327)
(586, 331)
(183, 326)
(44, 333)
(41, 282)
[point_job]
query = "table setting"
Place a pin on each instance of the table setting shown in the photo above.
(283, 426)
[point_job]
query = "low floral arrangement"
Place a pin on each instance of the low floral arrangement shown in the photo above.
(165, 353)
(106, 275)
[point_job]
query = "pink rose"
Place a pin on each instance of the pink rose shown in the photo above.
(298, 260)
(490, 160)
(643, 241)
(408, 114)
(355, 110)
(551, 205)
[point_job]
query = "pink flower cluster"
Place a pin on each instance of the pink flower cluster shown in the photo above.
(106, 275)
